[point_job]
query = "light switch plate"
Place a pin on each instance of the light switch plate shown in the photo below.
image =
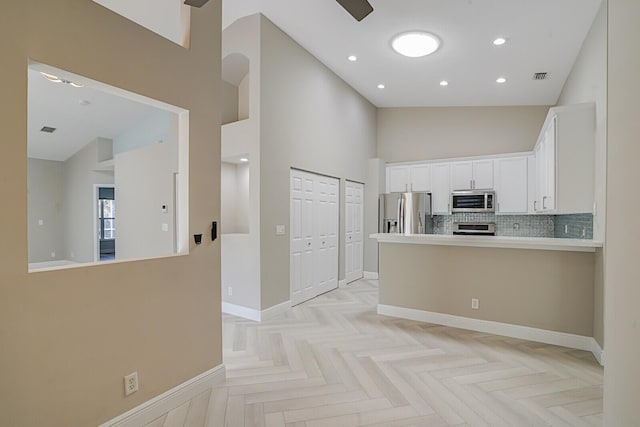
(279, 230)
(165, 227)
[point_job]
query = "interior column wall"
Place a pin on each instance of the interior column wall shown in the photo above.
(69, 336)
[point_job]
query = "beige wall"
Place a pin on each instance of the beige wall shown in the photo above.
(550, 290)
(426, 133)
(622, 272)
(311, 120)
(45, 189)
(69, 336)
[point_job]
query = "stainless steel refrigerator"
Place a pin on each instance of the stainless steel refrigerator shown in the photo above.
(405, 213)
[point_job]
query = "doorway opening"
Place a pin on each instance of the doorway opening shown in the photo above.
(106, 223)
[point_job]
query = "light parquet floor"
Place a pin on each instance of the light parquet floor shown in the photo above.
(333, 361)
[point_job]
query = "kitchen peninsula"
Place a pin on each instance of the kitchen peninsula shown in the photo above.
(540, 289)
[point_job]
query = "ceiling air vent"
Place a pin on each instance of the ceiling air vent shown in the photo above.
(539, 76)
(48, 129)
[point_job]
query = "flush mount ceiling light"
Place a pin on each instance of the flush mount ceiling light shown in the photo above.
(56, 79)
(499, 41)
(415, 44)
(501, 80)
(380, 86)
(444, 83)
(352, 58)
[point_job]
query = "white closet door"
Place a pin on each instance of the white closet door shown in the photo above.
(314, 235)
(354, 219)
(327, 234)
(302, 234)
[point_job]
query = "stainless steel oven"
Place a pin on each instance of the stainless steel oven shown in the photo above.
(473, 201)
(475, 228)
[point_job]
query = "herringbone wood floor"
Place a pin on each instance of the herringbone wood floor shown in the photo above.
(334, 362)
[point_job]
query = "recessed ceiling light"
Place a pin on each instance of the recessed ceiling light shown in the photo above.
(444, 83)
(380, 86)
(51, 77)
(352, 58)
(501, 80)
(415, 44)
(84, 102)
(57, 79)
(499, 41)
(244, 159)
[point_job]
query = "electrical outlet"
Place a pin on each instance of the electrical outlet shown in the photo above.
(40, 222)
(279, 230)
(130, 383)
(566, 229)
(230, 291)
(53, 254)
(475, 303)
(584, 232)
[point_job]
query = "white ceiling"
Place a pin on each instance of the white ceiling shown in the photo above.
(543, 36)
(58, 105)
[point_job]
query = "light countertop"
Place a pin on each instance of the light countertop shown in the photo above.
(539, 243)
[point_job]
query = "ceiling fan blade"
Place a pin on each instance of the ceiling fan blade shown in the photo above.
(195, 3)
(359, 9)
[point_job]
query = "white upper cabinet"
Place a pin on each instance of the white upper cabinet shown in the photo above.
(565, 161)
(461, 175)
(397, 179)
(476, 174)
(420, 178)
(483, 174)
(511, 185)
(440, 188)
(408, 178)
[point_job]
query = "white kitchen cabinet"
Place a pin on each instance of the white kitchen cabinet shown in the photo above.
(397, 179)
(476, 174)
(565, 161)
(531, 183)
(511, 185)
(440, 188)
(420, 178)
(408, 178)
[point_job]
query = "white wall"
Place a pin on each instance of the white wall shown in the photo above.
(421, 133)
(144, 180)
(235, 198)
(158, 126)
(79, 201)
(229, 103)
(622, 271)
(45, 201)
(169, 18)
(242, 138)
(311, 120)
(587, 82)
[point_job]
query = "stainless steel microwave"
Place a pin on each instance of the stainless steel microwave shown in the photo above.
(473, 201)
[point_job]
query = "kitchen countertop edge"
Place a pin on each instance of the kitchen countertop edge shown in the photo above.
(506, 242)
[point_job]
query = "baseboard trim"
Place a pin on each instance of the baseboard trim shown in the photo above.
(342, 283)
(563, 339)
(273, 311)
(252, 313)
(241, 311)
(371, 275)
(597, 351)
(167, 401)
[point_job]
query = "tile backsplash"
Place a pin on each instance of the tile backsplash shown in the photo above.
(523, 225)
(575, 226)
